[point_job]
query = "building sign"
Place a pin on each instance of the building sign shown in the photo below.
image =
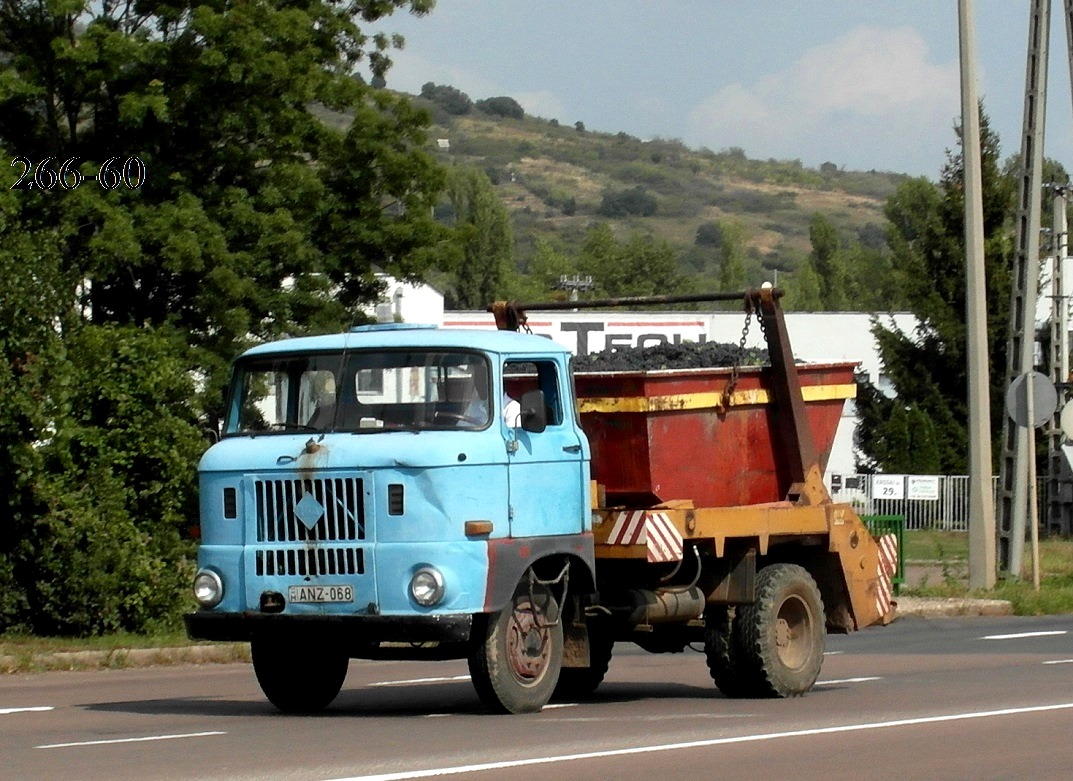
(925, 487)
(888, 486)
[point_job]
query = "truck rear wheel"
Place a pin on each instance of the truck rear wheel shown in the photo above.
(297, 678)
(723, 657)
(579, 682)
(518, 652)
(780, 637)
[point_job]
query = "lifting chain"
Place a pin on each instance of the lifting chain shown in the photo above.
(728, 391)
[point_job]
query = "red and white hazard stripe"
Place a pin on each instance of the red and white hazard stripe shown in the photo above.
(888, 565)
(651, 529)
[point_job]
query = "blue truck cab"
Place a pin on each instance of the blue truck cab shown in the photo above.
(396, 490)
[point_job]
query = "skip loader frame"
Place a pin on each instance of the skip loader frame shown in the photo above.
(756, 584)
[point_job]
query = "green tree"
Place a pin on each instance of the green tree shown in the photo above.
(640, 266)
(265, 184)
(927, 368)
(647, 267)
(502, 107)
(245, 187)
(732, 258)
(827, 262)
(452, 100)
(485, 236)
(31, 357)
(803, 292)
(598, 256)
(547, 265)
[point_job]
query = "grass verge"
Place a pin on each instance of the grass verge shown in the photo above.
(28, 653)
(937, 566)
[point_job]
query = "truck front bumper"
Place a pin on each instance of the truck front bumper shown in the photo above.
(356, 632)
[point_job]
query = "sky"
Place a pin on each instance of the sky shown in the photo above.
(864, 84)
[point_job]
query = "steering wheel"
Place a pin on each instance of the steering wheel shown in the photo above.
(457, 418)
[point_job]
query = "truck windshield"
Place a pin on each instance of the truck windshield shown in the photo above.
(360, 391)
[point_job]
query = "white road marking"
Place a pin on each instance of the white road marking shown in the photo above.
(555, 759)
(1060, 661)
(413, 681)
(634, 719)
(131, 740)
(546, 707)
(1020, 635)
(833, 653)
(848, 680)
(33, 709)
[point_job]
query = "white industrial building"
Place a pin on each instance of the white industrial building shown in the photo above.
(816, 337)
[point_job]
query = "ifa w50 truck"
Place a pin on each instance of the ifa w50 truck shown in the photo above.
(370, 498)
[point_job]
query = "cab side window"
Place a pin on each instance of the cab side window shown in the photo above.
(522, 376)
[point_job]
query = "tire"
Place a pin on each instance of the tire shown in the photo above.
(516, 656)
(722, 655)
(577, 683)
(780, 637)
(296, 678)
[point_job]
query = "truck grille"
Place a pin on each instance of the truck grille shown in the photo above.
(313, 562)
(317, 510)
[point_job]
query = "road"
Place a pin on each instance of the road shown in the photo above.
(970, 698)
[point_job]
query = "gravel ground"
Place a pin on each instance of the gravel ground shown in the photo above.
(688, 355)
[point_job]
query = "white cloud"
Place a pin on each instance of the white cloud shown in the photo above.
(409, 72)
(542, 103)
(870, 95)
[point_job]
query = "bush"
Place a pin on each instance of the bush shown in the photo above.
(709, 234)
(502, 107)
(635, 202)
(96, 570)
(115, 493)
(452, 100)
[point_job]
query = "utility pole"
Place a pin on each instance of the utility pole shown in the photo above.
(981, 499)
(1020, 350)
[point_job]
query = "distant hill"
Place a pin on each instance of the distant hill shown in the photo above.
(558, 179)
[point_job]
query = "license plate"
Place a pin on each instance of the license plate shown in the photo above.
(320, 594)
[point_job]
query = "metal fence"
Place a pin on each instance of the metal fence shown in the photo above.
(925, 501)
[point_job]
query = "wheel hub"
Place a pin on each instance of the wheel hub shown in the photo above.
(782, 633)
(527, 645)
(792, 630)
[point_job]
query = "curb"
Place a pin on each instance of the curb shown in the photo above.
(937, 607)
(221, 653)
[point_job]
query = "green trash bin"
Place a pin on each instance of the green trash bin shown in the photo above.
(882, 525)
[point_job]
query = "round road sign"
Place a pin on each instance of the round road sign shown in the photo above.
(1044, 399)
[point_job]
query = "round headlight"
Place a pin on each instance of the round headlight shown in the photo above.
(208, 588)
(426, 586)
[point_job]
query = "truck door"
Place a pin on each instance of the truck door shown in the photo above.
(548, 479)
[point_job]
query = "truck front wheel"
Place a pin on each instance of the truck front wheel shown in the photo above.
(298, 678)
(780, 637)
(517, 652)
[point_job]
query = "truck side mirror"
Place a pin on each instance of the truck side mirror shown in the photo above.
(534, 415)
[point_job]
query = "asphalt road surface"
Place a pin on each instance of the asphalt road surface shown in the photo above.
(920, 700)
